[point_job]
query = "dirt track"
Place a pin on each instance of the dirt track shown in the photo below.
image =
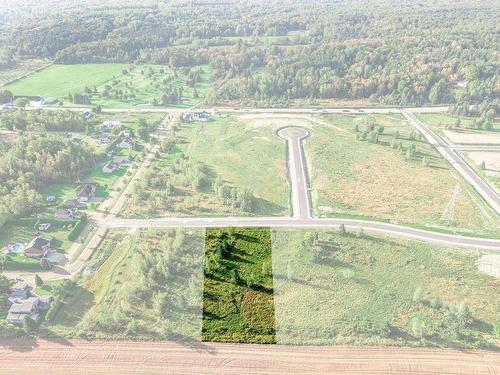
(100, 357)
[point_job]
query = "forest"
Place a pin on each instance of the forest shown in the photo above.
(274, 53)
(32, 162)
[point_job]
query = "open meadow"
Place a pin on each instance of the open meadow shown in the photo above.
(117, 85)
(220, 167)
(333, 288)
(379, 167)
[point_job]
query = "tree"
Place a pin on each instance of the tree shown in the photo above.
(482, 166)
(45, 264)
(360, 232)
(417, 295)
(235, 277)
(38, 280)
(29, 325)
(6, 96)
(458, 122)
(22, 102)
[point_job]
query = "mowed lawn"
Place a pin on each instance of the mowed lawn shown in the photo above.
(60, 80)
(377, 290)
(358, 178)
(244, 157)
(238, 289)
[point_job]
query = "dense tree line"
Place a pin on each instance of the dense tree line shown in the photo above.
(274, 53)
(32, 162)
(40, 121)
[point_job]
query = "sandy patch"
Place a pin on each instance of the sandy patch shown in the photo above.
(275, 120)
(472, 137)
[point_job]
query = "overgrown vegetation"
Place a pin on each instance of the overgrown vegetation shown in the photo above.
(238, 291)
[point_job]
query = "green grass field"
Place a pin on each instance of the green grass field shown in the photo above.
(59, 80)
(333, 289)
(126, 85)
(238, 291)
(357, 178)
(242, 156)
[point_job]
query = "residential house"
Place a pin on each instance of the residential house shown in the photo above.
(50, 101)
(37, 248)
(85, 192)
(31, 306)
(72, 204)
(201, 116)
(105, 140)
(110, 167)
(19, 293)
(65, 214)
(44, 226)
(126, 143)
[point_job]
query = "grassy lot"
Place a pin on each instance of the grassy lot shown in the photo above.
(375, 290)
(149, 288)
(492, 172)
(358, 178)
(241, 156)
(59, 80)
(114, 85)
(444, 125)
(238, 291)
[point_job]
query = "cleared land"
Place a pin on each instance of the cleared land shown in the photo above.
(386, 181)
(146, 285)
(20, 69)
(208, 170)
(373, 290)
(238, 289)
(445, 125)
(117, 85)
(105, 357)
(491, 171)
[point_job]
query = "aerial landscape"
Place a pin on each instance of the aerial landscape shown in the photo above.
(249, 187)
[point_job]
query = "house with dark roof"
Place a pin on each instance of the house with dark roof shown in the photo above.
(85, 192)
(32, 307)
(37, 248)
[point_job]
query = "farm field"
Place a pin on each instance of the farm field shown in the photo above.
(386, 181)
(380, 291)
(445, 125)
(226, 155)
(118, 85)
(147, 286)
(238, 288)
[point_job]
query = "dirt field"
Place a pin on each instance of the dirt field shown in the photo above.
(98, 357)
(472, 137)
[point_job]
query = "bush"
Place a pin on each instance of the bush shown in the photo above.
(75, 232)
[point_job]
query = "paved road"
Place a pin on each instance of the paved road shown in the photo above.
(287, 222)
(126, 357)
(450, 154)
(301, 203)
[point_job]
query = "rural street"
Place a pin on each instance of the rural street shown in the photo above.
(301, 203)
(450, 154)
(58, 357)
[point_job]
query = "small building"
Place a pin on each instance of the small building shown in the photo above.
(105, 140)
(85, 192)
(44, 226)
(37, 248)
(110, 167)
(110, 125)
(87, 115)
(65, 214)
(72, 204)
(51, 198)
(31, 306)
(126, 143)
(200, 116)
(50, 101)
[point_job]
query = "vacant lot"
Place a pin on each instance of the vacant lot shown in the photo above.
(374, 290)
(385, 180)
(119, 85)
(491, 170)
(148, 285)
(238, 290)
(445, 125)
(213, 168)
